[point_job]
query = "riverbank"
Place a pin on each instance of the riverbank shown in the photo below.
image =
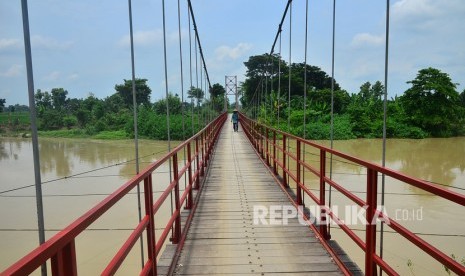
(67, 133)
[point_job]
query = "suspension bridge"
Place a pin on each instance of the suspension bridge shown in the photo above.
(242, 204)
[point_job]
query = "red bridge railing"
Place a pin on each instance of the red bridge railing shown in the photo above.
(60, 249)
(273, 147)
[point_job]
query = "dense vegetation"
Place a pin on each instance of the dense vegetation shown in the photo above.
(431, 107)
(112, 117)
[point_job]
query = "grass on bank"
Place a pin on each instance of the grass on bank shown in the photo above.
(82, 133)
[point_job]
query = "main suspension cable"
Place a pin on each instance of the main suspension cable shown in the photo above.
(198, 41)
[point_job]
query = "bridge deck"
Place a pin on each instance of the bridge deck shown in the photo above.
(223, 238)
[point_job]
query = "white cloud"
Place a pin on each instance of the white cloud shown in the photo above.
(223, 52)
(366, 39)
(427, 14)
(9, 43)
(13, 71)
(53, 76)
(47, 43)
(73, 76)
(142, 38)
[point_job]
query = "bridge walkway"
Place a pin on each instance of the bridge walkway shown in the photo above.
(223, 238)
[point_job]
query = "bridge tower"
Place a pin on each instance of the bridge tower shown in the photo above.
(231, 89)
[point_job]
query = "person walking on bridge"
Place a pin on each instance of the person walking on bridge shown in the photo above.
(235, 120)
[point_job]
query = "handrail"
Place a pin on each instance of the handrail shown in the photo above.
(265, 141)
(61, 247)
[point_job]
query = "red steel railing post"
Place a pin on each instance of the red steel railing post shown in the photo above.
(262, 142)
(189, 176)
(370, 234)
(323, 225)
(299, 189)
(267, 133)
(207, 144)
(151, 247)
(275, 169)
(284, 161)
(202, 149)
(197, 162)
(64, 261)
(177, 223)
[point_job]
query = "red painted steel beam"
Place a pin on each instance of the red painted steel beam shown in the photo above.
(118, 259)
(425, 246)
(64, 240)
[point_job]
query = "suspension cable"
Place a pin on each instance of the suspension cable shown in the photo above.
(136, 140)
(383, 179)
(278, 33)
(332, 109)
(279, 81)
(182, 89)
(198, 41)
(305, 93)
(167, 97)
(190, 72)
(197, 81)
(35, 141)
(290, 86)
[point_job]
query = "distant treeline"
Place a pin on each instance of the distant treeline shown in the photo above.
(91, 116)
(431, 107)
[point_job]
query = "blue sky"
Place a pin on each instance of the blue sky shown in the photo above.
(83, 46)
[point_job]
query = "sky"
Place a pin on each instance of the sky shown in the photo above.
(83, 46)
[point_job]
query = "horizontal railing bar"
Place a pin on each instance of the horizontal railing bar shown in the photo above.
(118, 259)
(163, 196)
(425, 246)
(185, 193)
(345, 192)
(276, 153)
(166, 231)
(384, 266)
(310, 194)
(346, 229)
(46, 251)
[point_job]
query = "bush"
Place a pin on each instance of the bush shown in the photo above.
(395, 129)
(112, 135)
(69, 121)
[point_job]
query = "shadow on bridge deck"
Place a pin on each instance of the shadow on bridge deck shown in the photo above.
(223, 238)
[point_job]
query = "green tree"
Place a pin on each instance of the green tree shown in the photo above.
(261, 68)
(174, 102)
(432, 103)
(462, 98)
(43, 101)
(196, 93)
(2, 104)
(317, 79)
(59, 101)
(217, 93)
(142, 92)
(217, 90)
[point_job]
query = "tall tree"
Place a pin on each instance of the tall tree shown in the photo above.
(259, 68)
(317, 79)
(195, 93)
(217, 90)
(59, 98)
(217, 93)
(142, 92)
(43, 101)
(432, 103)
(2, 104)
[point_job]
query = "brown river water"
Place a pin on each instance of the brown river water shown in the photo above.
(100, 167)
